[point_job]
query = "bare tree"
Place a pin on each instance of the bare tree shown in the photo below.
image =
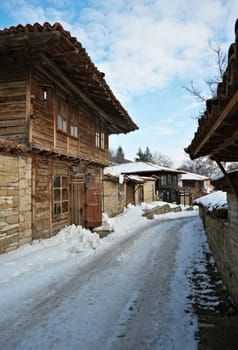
(213, 81)
(203, 166)
(162, 160)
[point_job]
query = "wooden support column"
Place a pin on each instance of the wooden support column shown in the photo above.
(232, 187)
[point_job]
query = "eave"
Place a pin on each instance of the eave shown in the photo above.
(63, 51)
(217, 132)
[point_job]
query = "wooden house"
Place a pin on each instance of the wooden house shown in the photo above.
(121, 190)
(193, 186)
(217, 137)
(144, 182)
(166, 184)
(56, 115)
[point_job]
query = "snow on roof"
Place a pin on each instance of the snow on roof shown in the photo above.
(213, 201)
(193, 176)
(137, 167)
(135, 178)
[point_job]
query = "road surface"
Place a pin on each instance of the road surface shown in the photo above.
(121, 299)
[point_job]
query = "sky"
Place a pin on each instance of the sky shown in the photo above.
(149, 50)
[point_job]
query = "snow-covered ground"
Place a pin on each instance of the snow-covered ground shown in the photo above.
(35, 272)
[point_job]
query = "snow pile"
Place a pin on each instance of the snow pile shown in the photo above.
(77, 239)
(124, 223)
(216, 200)
(32, 260)
(72, 243)
(152, 205)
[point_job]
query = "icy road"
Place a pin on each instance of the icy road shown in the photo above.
(131, 295)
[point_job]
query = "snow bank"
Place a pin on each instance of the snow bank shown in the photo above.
(152, 205)
(72, 243)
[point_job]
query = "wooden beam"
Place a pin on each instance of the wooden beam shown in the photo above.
(231, 104)
(227, 142)
(228, 180)
(74, 87)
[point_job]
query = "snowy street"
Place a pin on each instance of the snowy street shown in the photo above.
(126, 291)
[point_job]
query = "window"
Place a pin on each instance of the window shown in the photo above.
(120, 191)
(62, 117)
(73, 130)
(61, 195)
(175, 180)
(62, 124)
(163, 180)
(97, 140)
(100, 140)
(189, 183)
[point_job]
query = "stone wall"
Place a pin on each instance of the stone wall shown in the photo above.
(114, 202)
(15, 202)
(233, 233)
(223, 241)
(25, 201)
(149, 191)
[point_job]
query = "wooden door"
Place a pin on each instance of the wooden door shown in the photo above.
(140, 194)
(77, 202)
(93, 204)
(130, 194)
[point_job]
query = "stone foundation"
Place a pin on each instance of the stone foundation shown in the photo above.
(15, 202)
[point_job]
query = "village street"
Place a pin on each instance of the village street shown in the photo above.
(130, 295)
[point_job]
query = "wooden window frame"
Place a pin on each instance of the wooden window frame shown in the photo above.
(100, 140)
(60, 195)
(74, 130)
(62, 124)
(163, 180)
(97, 139)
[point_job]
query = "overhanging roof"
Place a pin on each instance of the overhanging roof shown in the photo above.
(217, 133)
(57, 48)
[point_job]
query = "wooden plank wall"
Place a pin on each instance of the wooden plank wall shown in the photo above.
(12, 102)
(44, 168)
(44, 124)
(43, 116)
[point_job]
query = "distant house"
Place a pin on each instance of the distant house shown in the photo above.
(56, 115)
(217, 137)
(193, 186)
(121, 190)
(140, 182)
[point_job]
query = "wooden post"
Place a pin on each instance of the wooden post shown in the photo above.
(233, 189)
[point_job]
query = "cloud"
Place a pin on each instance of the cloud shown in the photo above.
(143, 45)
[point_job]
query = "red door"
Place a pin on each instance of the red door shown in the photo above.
(93, 204)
